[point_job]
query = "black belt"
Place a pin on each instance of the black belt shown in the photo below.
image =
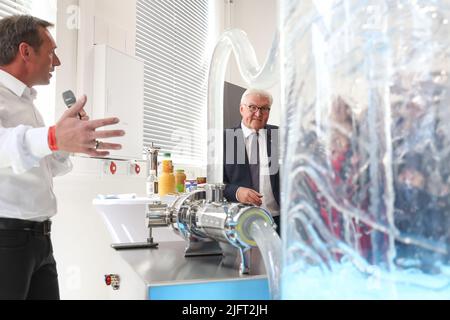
(26, 225)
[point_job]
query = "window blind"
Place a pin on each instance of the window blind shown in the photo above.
(11, 7)
(172, 39)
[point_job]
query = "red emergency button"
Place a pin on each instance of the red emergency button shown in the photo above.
(112, 280)
(113, 167)
(108, 280)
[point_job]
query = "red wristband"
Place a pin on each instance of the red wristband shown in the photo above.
(52, 139)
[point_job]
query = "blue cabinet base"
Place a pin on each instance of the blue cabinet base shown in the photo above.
(254, 289)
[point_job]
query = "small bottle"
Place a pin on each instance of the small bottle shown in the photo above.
(180, 181)
(161, 158)
(151, 182)
(166, 180)
(201, 180)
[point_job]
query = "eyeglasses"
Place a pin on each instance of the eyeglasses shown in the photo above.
(254, 109)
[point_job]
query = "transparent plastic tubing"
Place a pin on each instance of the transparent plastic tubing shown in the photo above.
(269, 244)
(365, 181)
(253, 74)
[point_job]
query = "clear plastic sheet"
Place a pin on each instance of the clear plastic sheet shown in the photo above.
(366, 149)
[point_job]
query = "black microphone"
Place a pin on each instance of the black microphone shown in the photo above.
(70, 99)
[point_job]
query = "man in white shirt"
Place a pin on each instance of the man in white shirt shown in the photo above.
(31, 155)
(251, 170)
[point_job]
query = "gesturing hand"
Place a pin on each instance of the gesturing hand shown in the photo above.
(80, 136)
(249, 196)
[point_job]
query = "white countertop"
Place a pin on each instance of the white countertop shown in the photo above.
(125, 200)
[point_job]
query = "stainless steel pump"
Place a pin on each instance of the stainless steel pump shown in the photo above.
(204, 218)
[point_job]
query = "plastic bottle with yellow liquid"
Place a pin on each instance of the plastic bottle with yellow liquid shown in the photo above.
(166, 183)
(180, 181)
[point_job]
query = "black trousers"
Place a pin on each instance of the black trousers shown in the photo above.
(27, 266)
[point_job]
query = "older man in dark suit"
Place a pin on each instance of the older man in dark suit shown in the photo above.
(251, 169)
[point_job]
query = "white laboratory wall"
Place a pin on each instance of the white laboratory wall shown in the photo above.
(111, 22)
(80, 238)
(66, 38)
(81, 241)
(46, 9)
(258, 18)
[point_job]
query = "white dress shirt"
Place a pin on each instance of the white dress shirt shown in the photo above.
(27, 165)
(265, 186)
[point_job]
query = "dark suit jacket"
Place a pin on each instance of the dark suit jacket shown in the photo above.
(236, 171)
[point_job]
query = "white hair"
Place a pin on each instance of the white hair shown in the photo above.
(257, 92)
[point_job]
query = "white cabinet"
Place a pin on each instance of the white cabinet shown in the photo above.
(119, 92)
